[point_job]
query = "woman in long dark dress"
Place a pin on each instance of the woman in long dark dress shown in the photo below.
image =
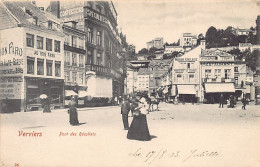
(73, 112)
(139, 129)
(46, 105)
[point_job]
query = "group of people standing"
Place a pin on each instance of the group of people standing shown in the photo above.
(231, 101)
(139, 107)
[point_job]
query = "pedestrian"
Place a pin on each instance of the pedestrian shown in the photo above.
(243, 100)
(115, 100)
(232, 101)
(46, 105)
(125, 108)
(139, 129)
(73, 111)
(221, 101)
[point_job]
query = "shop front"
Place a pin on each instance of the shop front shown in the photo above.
(213, 91)
(187, 93)
(53, 88)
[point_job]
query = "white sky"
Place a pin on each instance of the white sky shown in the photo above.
(143, 20)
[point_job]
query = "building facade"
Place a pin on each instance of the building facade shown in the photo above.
(188, 40)
(157, 43)
(142, 84)
(31, 57)
(170, 49)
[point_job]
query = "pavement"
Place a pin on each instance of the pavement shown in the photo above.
(182, 135)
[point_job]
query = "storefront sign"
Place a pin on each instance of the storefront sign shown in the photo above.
(186, 59)
(217, 64)
(11, 87)
(71, 11)
(11, 49)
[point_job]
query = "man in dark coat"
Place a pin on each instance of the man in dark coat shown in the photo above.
(221, 101)
(125, 108)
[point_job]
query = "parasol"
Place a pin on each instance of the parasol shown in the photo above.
(43, 96)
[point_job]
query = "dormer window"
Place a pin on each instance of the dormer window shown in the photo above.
(35, 21)
(50, 25)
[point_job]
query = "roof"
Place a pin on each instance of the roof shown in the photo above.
(18, 10)
(6, 18)
(143, 71)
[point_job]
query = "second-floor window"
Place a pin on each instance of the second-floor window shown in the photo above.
(227, 73)
(67, 40)
(57, 68)
(81, 60)
(39, 42)
(236, 80)
(40, 68)
(74, 59)
(29, 40)
(30, 65)
(67, 58)
(74, 41)
(67, 76)
(49, 67)
(207, 73)
(81, 78)
(99, 59)
(48, 44)
(188, 65)
(90, 35)
(74, 77)
(217, 72)
(236, 69)
(56, 46)
(98, 38)
(89, 58)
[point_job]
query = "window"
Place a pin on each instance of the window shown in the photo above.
(67, 58)
(57, 68)
(30, 40)
(81, 43)
(90, 35)
(99, 59)
(67, 40)
(236, 80)
(89, 57)
(74, 77)
(217, 72)
(35, 21)
(39, 42)
(188, 65)
(227, 73)
(49, 67)
(56, 46)
(48, 44)
(40, 68)
(30, 65)
(74, 59)
(98, 38)
(207, 73)
(179, 77)
(67, 76)
(81, 60)
(50, 25)
(81, 77)
(74, 41)
(236, 69)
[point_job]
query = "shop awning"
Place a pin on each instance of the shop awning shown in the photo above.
(186, 89)
(70, 93)
(83, 93)
(220, 88)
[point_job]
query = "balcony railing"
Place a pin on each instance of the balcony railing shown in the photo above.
(218, 80)
(102, 70)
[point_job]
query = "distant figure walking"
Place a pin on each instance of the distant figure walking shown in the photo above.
(243, 100)
(46, 105)
(73, 112)
(231, 101)
(139, 129)
(221, 101)
(125, 108)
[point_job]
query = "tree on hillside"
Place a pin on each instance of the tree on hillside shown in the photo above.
(143, 51)
(237, 53)
(211, 36)
(252, 59)
(152, 49)
(150, 57)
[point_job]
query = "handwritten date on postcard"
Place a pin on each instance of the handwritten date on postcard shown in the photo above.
(77, 134)
(151, 156)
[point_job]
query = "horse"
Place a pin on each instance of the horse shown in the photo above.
(153, 101)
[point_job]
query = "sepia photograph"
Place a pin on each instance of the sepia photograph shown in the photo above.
(130, 83)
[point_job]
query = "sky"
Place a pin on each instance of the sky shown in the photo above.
(143, 20)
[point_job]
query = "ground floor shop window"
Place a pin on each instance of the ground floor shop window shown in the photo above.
(49, 68)
(30, 65)
(40, 69)
(32, 94)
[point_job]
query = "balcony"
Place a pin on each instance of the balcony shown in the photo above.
(223, 80)
(102, 70)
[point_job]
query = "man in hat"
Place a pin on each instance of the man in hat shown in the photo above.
(125, 108)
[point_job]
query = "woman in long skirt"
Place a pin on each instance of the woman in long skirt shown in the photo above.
(46, 105)
(139, 129)
(73, 112)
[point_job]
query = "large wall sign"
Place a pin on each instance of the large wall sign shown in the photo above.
(10, 87)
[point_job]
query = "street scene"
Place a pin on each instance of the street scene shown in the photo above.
(130, 83)
(228, 137)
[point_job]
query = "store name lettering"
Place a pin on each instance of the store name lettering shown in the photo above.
(217, 64)
(13, 62)
(11, 49)
(186, 59)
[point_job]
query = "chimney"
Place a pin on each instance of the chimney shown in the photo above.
(258, 30)
(203, 44)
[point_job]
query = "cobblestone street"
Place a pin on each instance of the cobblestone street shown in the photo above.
(182, 135)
